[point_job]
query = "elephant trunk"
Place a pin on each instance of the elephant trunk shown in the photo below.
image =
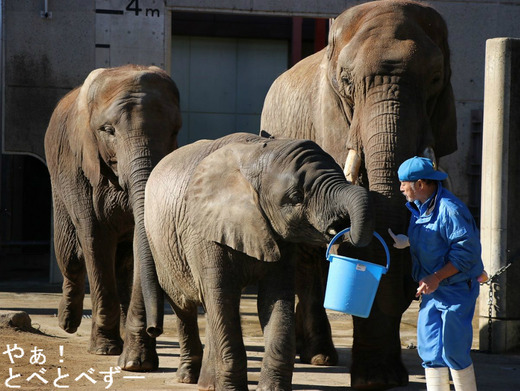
(144, 263)
(358, 205)
(390, 136)
(349, 203)
(392, 139)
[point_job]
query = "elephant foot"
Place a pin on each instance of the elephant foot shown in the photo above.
(207, 381)
(139, 356)
(272, 388)
(103, 345)
(314, 336)
(69, 316)
(202, 386)
(319, 356)
(106, 347)
(138, 363)
(188, 372)
(378, 375)
(269, 385)
(324, 359)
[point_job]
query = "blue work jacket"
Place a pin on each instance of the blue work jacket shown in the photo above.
(442, 230)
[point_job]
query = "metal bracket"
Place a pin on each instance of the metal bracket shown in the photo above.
(45, 14)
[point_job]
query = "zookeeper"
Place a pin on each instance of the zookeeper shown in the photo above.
(446, 262)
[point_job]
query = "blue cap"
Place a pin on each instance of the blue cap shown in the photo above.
(417, 168)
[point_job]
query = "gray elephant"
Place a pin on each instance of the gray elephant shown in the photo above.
(378, 94)
(101, 144)
(223, 214)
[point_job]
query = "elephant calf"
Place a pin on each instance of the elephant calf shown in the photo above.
(220, 215)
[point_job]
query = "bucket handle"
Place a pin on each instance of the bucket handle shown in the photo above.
(341, 233)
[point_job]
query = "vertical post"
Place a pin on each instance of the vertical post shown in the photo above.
(500, 215)
(296, 41)
(320, 34)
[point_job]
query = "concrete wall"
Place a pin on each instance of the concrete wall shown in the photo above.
(305, 8)
(127, 34)
(470, 24)
(44, 59)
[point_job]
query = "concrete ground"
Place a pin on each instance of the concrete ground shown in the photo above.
(40, 301)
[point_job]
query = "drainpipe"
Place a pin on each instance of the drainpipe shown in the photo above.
(45, 14)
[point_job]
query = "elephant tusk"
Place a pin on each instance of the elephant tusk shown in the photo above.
(332, 232)
(352, 165)
(430, 154)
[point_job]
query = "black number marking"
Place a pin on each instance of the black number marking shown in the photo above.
(133, 6)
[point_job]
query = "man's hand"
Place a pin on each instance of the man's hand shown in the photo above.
(401, 241)
(483, 278)
(428, 284)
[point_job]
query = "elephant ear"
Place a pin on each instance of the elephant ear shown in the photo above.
(443, 118)
(223, 206)
(339, 36)
(444, 123)
(342, 31)
(83, 141)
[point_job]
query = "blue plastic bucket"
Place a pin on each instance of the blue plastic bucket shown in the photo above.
(352, 284)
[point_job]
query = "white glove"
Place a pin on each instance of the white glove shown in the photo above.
(401, 241)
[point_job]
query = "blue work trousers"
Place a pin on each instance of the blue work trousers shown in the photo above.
(444, 330)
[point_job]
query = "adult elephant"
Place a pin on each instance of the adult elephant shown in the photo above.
(101, 144)
(223, 214)
(378, 94)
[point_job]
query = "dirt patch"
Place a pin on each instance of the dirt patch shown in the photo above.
(66, 354)
(67, 362)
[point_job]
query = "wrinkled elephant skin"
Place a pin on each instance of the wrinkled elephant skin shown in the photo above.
(378, 94)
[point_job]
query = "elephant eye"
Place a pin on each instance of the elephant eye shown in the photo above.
(347, 83)
(294, 197)
(109, 129)
(346, 76)
(437, 78)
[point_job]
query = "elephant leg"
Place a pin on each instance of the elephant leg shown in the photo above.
(276, 313)
(72, 266)
(376, 353)
(313, 333)
(207, 378)
(190, 345)
(227, 353)
(139, 350)
(100, 251)
(124, 279)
